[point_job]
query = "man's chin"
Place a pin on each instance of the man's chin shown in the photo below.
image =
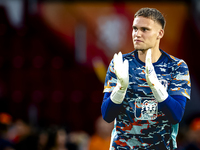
(141, 49)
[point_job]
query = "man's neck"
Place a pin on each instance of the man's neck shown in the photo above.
(156, 53)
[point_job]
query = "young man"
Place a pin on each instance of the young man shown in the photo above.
(146, 90)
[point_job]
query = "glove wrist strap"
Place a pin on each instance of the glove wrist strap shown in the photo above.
(117, 95)
(159, 92)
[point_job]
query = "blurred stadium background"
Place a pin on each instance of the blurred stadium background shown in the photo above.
(54, 56)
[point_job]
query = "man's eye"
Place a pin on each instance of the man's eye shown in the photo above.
(144, 29)
(135, 29)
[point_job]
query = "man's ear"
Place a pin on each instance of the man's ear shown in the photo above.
(160, 34)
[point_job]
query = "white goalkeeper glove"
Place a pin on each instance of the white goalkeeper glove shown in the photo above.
(122, 73)
(157, 88)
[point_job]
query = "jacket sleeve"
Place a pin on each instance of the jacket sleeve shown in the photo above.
(109, 109)
(173, 107)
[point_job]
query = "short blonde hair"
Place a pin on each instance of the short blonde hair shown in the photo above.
(153, 14)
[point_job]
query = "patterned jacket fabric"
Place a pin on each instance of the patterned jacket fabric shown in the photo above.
(141, 124)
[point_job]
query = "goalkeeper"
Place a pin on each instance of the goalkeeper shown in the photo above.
(145, 91)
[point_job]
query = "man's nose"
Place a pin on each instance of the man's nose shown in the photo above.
(138, 33)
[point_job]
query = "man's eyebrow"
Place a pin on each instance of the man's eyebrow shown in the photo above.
(140, 27)
(145, 28)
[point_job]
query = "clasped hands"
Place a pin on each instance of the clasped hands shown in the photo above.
(121, 69)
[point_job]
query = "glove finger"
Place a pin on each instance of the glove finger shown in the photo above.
(148, 55)
(120, 59)
(126, 66)
(117, 64)
(148, 63)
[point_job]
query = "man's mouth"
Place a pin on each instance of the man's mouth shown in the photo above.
(138, 41)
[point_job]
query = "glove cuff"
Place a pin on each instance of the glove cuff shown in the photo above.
(117, 95)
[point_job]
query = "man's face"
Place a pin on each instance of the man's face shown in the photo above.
(146, 33)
